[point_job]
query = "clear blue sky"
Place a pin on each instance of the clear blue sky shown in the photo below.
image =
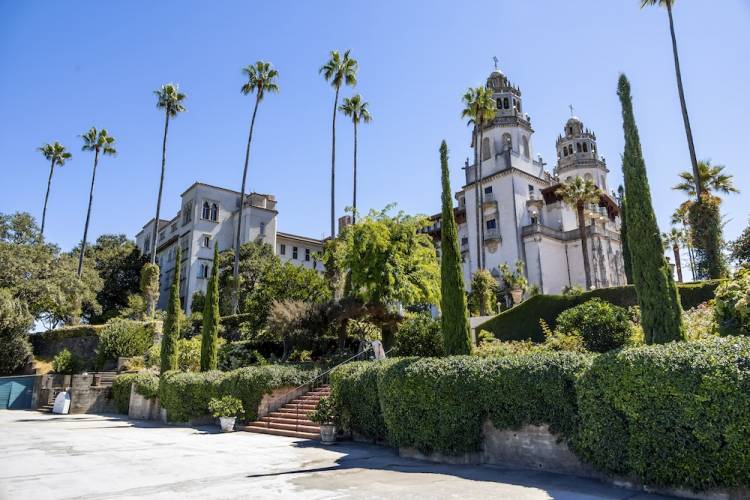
(65, 66)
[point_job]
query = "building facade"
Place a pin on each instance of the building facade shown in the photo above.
(208, 216)
(511, 212)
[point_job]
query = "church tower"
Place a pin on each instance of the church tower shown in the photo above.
(578, 156)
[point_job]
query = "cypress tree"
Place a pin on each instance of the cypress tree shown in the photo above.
(626, 260)
(661, 312)
(171, 330)
(455, 323)
(210, 332)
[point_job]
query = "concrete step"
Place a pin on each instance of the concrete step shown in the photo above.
(287, 420)
(285, 427)
(281, 432)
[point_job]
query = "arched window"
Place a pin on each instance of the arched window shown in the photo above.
(203, 271)
(485, 148)
(570, 130)
(578, 147)
(206, 212)
(506, 103)
(565, 150)
(499, 103)
(525, 146)
(507, 141)
(214, 212)
(585, 147)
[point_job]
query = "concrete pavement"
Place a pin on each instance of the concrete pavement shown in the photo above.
(87, 457)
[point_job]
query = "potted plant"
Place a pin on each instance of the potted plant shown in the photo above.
(325, 415)
(514, 281)
(226, 410)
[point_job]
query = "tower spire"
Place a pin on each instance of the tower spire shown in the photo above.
(571, 110)
(495, 60)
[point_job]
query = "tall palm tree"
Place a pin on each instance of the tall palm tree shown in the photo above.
(712, 180)
(98, 142)
(674, 240)
(481, 109)
(57, 155)
(261, 79)
(339, 70)
(680, 216)
(357, 110)
(578, 193)
(688, 131)
(169, 98)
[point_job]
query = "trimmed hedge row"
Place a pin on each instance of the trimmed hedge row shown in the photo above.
(669, 415)
(522, 322)
(186, 395)
(146, 384)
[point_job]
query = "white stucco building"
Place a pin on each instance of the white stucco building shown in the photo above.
(208, 214)
(521, 218)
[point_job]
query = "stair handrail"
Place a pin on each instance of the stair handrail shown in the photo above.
(271, 404)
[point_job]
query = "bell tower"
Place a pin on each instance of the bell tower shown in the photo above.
(578, 156)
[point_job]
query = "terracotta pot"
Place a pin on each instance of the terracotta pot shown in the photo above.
(227, 423)
(516, 294)
(327, 433)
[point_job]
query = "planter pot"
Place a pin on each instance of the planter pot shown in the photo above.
(516, 294)
(227, 423)
(327, 433)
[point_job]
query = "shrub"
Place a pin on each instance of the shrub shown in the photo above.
(500, 348)
(66, 362)
(226, 406)
(601, 325)
(441, 404)
(233, 355)
(147, 385)
(419, 335)
(15, 322)
(325, 412)
(188, 354)
(732, 305)
(124, 338)
(700, 322)
(674, 414)
(354, 387)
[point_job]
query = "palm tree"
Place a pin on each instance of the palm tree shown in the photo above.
(674, 240)
(680, 216)
(711, 181)
(339, 71)
(57, 155)
(170, 100)
(357, 110)
(691, 146)
(261, 79)
(481, 109)
(578, 193)
(98, 142)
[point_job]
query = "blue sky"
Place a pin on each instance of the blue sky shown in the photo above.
(65, 66)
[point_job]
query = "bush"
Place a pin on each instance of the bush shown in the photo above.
(354, 387)
(147, 385)
(500, 348)
(188, 354)
(419, 335)
(732, 305)
(601, 325)
(522, 321)
(241, 353)
(66, 362)
(15, 322)
(185, 395)
(124, 338)
(226, 406)
(700, 322)
(325, 412)
(673, 414)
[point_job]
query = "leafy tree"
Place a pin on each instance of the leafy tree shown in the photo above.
(171, 329)
(483, 295)
(357, 110)
(98, 142)
(579, 193)
(15, 322)
(261, 79)
(688, 131)
(198, 302)
(286, 320)
(57, 155)
(740, 247)
(339, 70)
(661, 313)
(169, 98)
(626, 260)
(481, 110)
(420, 335)
(210, 332)
(150, 287)
(454, 321)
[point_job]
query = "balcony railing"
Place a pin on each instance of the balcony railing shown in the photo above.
(492, 235)
(489, 198)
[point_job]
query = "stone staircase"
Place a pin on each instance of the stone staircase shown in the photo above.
(292, 420)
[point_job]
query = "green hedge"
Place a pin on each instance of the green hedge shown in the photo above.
(522, 322)
(185, 395)
(355, 387)
(675, 415)
(147, 385)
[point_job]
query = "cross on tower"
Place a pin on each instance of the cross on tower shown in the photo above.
(571, 109)
(495, 59)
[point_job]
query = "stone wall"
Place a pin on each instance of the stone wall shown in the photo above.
(143, 408)
(81, 341)
(85, 397)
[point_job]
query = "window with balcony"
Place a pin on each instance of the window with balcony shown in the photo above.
(491, 224)
(488, 190)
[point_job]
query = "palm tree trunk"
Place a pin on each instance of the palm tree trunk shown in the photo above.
(161, 188)
(354, 201)
(476, 198)
(677, 262)
(333, 166)
(88, 215)
(685, 118)
(481, 195)
(237, 239)
(691, 259)
(584, 246)
(46, 196)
